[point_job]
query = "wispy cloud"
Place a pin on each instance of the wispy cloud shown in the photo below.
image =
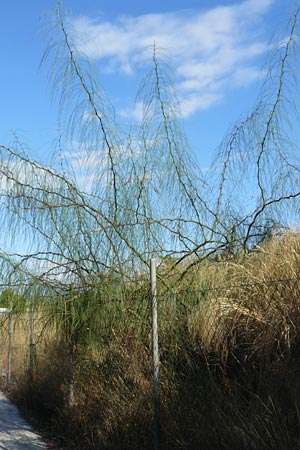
(89, 165)
(135, 113)
(212, 50)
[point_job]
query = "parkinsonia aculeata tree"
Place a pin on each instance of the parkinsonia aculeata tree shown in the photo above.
(117, 195)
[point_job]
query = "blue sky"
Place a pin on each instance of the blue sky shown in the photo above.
(219, 49)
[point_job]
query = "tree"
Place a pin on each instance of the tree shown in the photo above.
(144, 196)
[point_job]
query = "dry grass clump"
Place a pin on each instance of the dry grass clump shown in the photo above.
(113, 395)
(257, 312)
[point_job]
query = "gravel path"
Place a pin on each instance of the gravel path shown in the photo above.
(15, 433)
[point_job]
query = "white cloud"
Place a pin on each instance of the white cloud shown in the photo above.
(256, 6)
(192, 102)
(137, 113)
(246, 76)
(17, 174)
(89, 164)
(211, 50)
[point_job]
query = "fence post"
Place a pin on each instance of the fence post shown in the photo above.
(71, 396)
(155, 354)
(70, 350)
(9, 355)
(31, 340)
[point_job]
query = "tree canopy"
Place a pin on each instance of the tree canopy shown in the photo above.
(122, 195)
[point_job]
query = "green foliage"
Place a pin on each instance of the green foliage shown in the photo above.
(10, 299)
